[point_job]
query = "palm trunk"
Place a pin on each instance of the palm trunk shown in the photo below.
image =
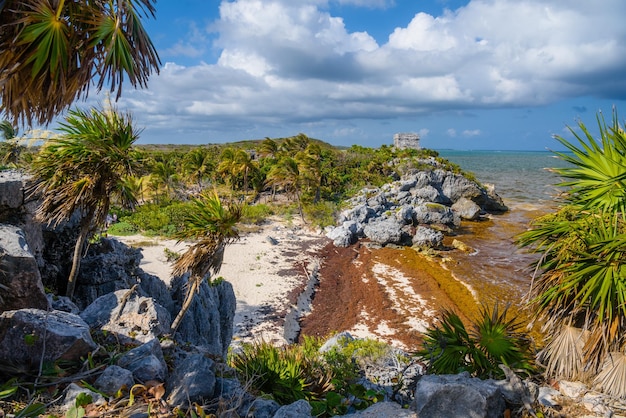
(78, 255)
(191, 291)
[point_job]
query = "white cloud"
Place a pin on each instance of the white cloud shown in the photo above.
(287, 63)
(451, 132)
(471, 132)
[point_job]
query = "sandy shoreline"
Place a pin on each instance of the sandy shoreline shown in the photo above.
(266, 269)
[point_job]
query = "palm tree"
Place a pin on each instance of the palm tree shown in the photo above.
(581, 289)
(244, 165)
(286, 174)
(212, 225)
(198, 164)
(83, 171)
(165, 173)
(10, 152)
(51, 50)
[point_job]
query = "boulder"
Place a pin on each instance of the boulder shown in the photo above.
(130, 316)
(208, 324)
(435, 213)
(72, 392)
(20, 281)
(257, 408)
(27, 335)
(443, 396)
(113, 379)
(146, 362)
(385, 231)
(467, 209)
(427, 237)
(427, 194)
(193, 380)
(344, 235)
(11, 190)
(384, 410)
(298, 409)
(109, 266)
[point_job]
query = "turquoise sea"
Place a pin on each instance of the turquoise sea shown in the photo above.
(519, 176)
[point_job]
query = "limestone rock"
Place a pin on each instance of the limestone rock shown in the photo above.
(146, 362)
(22, 335)
(109, 266)
(193, 380)
(467, 209)
(384, 410)
(72, 392)
(343, 235)
(298, 409)
(436, 213)
(20, 281)
(113, 379)
(443, 396)
(386, 231)
(11, 189)
(208, 324)
(130, 316)
(427, 237)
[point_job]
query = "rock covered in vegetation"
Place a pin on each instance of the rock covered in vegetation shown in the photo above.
(20, 281)
(28, 335)
(389, 214)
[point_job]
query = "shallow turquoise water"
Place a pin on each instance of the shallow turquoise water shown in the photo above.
(519, 176)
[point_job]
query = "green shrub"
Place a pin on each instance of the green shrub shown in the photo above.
(122, 229)
(256, 214)
(321, 214)
(300, 371)
(493, 339)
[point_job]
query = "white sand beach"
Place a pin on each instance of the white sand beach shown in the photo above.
(265, 267)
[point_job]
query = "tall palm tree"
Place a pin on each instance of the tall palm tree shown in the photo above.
(212, 226)
(51, 50)
(581, 289)
(244, 165)
(83, 170)
(198, 164)
(286, 174)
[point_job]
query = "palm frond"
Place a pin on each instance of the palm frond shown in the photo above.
(612, 377)
(563, 355)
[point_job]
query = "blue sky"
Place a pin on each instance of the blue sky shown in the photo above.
(479, 74)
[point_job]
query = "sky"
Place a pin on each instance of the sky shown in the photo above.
(467, 75)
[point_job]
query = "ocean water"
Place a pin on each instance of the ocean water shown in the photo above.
(519, 176)
(497, 269)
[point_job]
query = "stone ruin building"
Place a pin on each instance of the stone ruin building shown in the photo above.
(406, 140)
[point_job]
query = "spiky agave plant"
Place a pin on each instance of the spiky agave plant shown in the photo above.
(582, 270)
(493, 339)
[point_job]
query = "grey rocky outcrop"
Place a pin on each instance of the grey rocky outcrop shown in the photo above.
(29, 335)
(146, 362)
(208, 325)
(193, 380)
(114, 378)
(20, 280)
(384, 410)
(109, 266)
(436, 199)
(443, 396)
(129, 315)
(297, 409)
